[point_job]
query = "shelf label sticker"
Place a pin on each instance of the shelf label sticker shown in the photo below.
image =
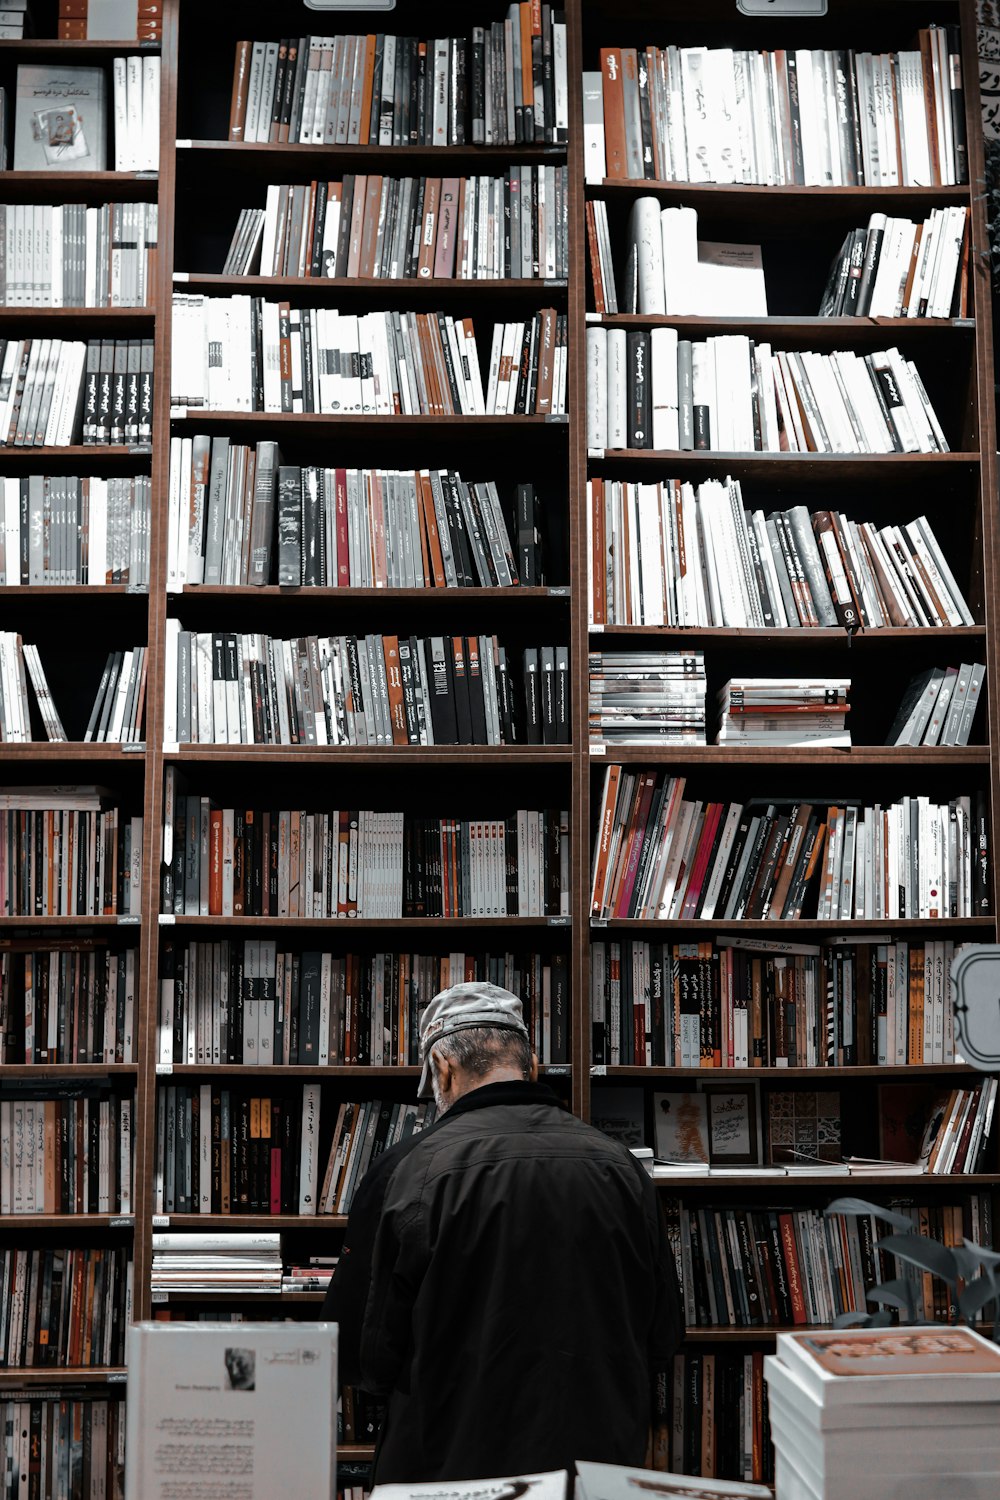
(161, 1221)
(117, 1377)
(167, 919)
(178, 413)
(595, 452)
(557, 416)
(134, 747)
(596, 629)
(593, 317)
(121, 1221)
(174, 588)
(557, 1070)
(559, 591)
(171, 747)
(554, 281)
(140, 448)
(134, 589)
(599, 1070)
(559, 921)
(159, 1297)
(182, 276)
(598, 749)
(128, 920)
(183, 145)
(598, 921)
(147, 176)
(164, 1070)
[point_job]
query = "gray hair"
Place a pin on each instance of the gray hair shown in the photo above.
(480, 1049)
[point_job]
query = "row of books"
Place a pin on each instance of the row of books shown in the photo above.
(731, 394)
(529, 366)
(498, 85)
(64, 1308)
(251, 1003)
(895, 268)
(392, 228)
(238, 515)
(54, 392)
(361, 1133)
(69, 255)
(248, 354)
(80, 1439)
(783, 711)
(660, 855)
(668, 270)
(68, 529)
(939, 706)
(110, 20)
(750, 1002)
(226, 688)
(646, 697)
(15, 709)
(68, 1154)
(236, 862)
(62, 860)
(717, 1424)
(763, 1268)
(61, 116)
(223, 1263)
(814, 117)
(958, 1133)
(221, 1150)
(117, 715)
(68, 1004)
(673, 554)
(13, 20)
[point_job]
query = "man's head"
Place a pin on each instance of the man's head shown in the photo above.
(470, 1035)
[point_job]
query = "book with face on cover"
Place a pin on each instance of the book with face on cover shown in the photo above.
(550, 1486)
(892, 1366)
(610, 1482)
(60, 122)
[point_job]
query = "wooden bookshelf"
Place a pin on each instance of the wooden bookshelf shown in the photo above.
(202, 180)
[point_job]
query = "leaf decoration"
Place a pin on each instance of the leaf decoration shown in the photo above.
(857, 1206)
(898, 1293)
(983, 1256)
(968, 1260)
(927, 1255)
(853, 1320)
(976, 1295)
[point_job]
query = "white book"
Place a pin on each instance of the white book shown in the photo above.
(729, 281)
(149, 151)
(128, 151)
(644, 233)
(663, 366)
(617, 433)
(679, 246)
(119, 89)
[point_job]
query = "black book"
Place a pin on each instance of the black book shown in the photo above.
(477, 697)
(957, 96)
(90, 385)
(639, 403)
(504, 700)
(532, 697)
(981, 856)
(852, 288)
(102, 420)
(832, 300)
(562, 724)
(309, 1000)
(873, 248)
(444, 719)
(547, 673)
(463, 700)
(117, 433)
(753, 866)
(289, 526)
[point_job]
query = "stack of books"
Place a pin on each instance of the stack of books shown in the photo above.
(238, 1263)
(13, 18)
(313, 1276)
(609, 1482)
(885, 1411)
(109, 20)
(69, 255)
(784, 711)
(647, 697)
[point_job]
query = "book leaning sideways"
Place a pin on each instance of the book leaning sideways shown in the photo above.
(60, 123)
(220, 1408)
(551, 1486)
(610, 1482)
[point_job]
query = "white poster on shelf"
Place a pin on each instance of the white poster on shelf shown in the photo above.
(231, 1411)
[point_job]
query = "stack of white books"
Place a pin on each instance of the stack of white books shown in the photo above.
(242, 1263)
(885, 1412)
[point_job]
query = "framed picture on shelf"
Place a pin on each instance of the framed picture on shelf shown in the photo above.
(733, 1117)
(681, 1127)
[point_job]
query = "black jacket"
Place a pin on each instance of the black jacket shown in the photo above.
(506, 1284)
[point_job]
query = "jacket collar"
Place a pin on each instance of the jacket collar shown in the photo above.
(513, 1092)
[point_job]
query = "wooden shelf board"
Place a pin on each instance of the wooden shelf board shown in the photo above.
(60, 1375)
(54, 46)
(359, 1452)
(517, 593)
(75, 750)
(271, 154)
(759, 198)
(420, 755)
(317, 421)
(74, 1221)
(782, 325)
(353, 924)
(12, 593)
(843, 1075)
(761, 755)
(853, 1186)
(237, 1294)
(756, 929)
(511, 287)
(95, 454)
(46, 925)
(337, 1072)
(25, 315)
(254, 1221)
(66, 1072)
(789, 466)
(830, 635)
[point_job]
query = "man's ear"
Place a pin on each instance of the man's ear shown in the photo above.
(444, 1070)
(533, 1075)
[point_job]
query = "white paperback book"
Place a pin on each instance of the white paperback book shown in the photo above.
(610, 1482)
(213, 1399)
(551, 1486)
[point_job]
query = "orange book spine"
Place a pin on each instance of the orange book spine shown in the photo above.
(238, 106)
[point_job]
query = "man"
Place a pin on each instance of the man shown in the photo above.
(505, 1280)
